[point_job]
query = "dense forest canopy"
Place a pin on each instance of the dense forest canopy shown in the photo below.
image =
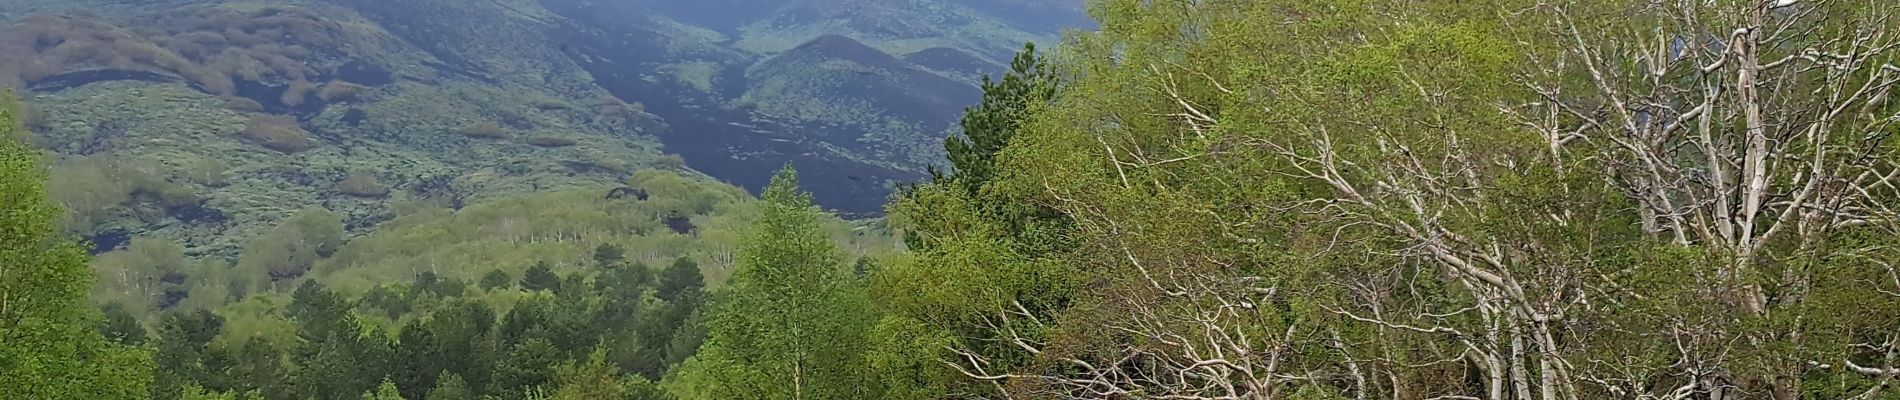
(1199, 199)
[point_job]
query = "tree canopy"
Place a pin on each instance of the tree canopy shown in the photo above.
(48, 346)
(1202, 199)
(790, 325)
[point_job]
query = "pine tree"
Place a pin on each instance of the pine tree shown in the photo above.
(120, 326)
(183, 340)
(596, 379)
(337, 358)
(989, 126)
(609, 254)
(683, 275)
(385, 391)
(451, 387)
(540, 277)
(496, 279)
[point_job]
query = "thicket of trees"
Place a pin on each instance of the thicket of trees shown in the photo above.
(790, 323)
(1394, 199)
(48, 347)
(1213, 199)
(585, 335)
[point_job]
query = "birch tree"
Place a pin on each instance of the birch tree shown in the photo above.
(48, 348)
(788, 327)
(1473, 200)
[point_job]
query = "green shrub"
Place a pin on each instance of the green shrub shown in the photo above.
(242, 104)
(602, 164)
(139, 275)
(298, 91)
(98, 188)
(338, 90)
(290, 249)
(612, 110)
(279, 133)
(206, 171)
(170, 196)
(540, 277)
(609, 254)
(672, 162)
(31, 117)
(120, 326)
(550, 104)
(214, 282)
(484, 130)
(551, 141)
(496, 279)
(680, 277)
(362, 185)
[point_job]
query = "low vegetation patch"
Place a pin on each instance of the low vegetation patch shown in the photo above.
(362, 185)
(277, 132)
(551, 104)
(337, 90)
(97, 188)
(214, 48)
(484, 130)
(31, 117)
(551, 141)
(242, 104)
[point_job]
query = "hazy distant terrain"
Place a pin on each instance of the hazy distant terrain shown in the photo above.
(208, 121)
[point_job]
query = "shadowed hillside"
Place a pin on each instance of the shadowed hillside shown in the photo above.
(956, 63)
(248, 112)
(853, 81)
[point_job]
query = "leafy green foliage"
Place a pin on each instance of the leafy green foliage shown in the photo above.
(450, 342)
(337, 356)
(293, 247)
(48, 347)
(279, 133)
(496, 279)
(1290, 195)
(362, 185)
(977, 249)
(680, 279)
(551, 141)
(988, 127)
(451, 387)
(596, 379)
(145, 276)
(386, 391)
(540, 278)
(1169, 206)
(609, 254)
(484, 130)
(791, 324)
(119, 326)
(183, 352)
(100, 188)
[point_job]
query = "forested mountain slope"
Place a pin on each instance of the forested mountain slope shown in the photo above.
(250, 110)
(1201, 199)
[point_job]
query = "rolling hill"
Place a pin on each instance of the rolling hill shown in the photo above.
(206, 122)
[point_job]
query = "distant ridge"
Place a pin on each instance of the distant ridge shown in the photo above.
(955, 61)
(846, 71)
